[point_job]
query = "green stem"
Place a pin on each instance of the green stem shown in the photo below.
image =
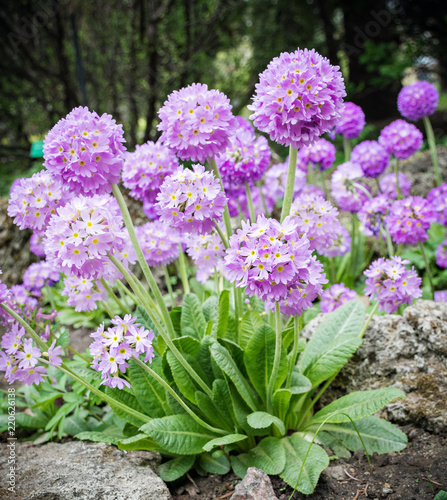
(168, 284)
(432, 146)
(427, 268)
(226, 214)
(347, 148)
(182, 269)
(290, 184)
(76, 353)
(50, 296)
(354, 244)
(276, 360)
(382, 244)
(251, 208)
(107, 309)
(396, 171)
(389, 243)
(371, 314)
(261, 192)
(124, 309)
(222, 235)
(333, 275)
(342, 267)
(297, 326)
(125, 291)
(323, 183)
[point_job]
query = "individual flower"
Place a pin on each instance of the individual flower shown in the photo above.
(316, 219)
(275, 264)
(53, 354)
(276, 179)
(389, 282)
(340, 246)
(440, 296)
(321, 154)
(196, 123)
(246, 157)
(400, 138)
(335, 296)
(29, 355)
(372, 214)
(409, 219)
(38, 275)
(190, 200)
(388, 185)
(349, 194)
(150, 210)
(441, 254)
(438, 199)
(208, 252)
(83, 294)
(159, 243)
(12, 339)
(372, 157)
(37, 244)
(299, 97)
(352, 121)
(145, 170)
(417, 100)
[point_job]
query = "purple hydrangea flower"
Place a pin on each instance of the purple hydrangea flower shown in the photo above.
(441, 254)
(145, 170)
(159, 243)
(37, 244)
(352, 121)
(388, 185)
(389, 282)
(321, 154)
(441, 296)
(272, 262)
(349, 194)
(85, 152)
(38, 275)
(438, 199)
(276, 179)
(409, 219)
(341, 244)
(83, 293)
(417, 100)
(190, 200)
(299, 97)
(372, 214)
(372, 157)
(196, 123)
(400, 138)
(208, 252)
(335, 296)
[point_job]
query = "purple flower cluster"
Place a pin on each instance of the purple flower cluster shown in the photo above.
(271, 261)
(19, 300)
(196, 123)
(159, 243)
(37, 244)
(352, 121)
(438, 199)
(340, 246)
(38, 275)
(316, 219)
(85, 151)
(189, 200)
(441, 254)
(321, 154)
(145, 170)
(440, 296)
(349, 194)
(389, 282)
(409, 219)
(417, 100)
(372, 214)
(83, 293)
(402, 139)
(388, 185)
(112, 348)
(276, 179)
(208, 252)
(335, 296)
(372, 157)
(299, 97)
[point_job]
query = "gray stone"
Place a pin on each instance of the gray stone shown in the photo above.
(256, 485)
(336, 472)
(82, 470)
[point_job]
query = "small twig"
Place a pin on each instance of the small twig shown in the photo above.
(349, 475)
(192, 481)
(225, 496)
(431, 481)
(357, 494)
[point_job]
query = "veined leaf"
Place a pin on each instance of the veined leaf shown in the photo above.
(214, 414)
(181, 377)
(221, 441)
(192, 320)
(129, 400)
(211, 309)
(176, 468)
(224, 313)
(216, 463)
(239, 464)
(250, 322)
(269, 456)
(138, 442)
(100, 437)
(262, 420)
(281, 400)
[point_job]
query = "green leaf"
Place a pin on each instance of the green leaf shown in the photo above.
(128, 399)
(281, 400)
(100, 437)
(224, 313)
(176, 468)
(192, 321)
(250, 323)
(269, 456)
(214, 415)
(216, 463)
(221, 441)
(176, 317)
(211, 309)
(299, 384)
(187, 345)
(316, 461)
(357, 405)
(237, 353)
(226, 363)
(138, 442)
(179, 434)
(239, 464)
(27, 421)
(63, 411)
(262, 420)
(222, 400)
(75, 425)
(330, 441)
(442, 495)
(181, 377)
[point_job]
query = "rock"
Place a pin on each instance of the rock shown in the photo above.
(336, 472)
(256, 485)
(82, 470)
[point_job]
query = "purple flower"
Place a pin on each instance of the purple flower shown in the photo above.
(441, 254)
(31, 376)
(389, 282)
(335, 296)
(145, 170)
(438, 199)
(401, 138)
(85, 152)
(37, 244)
(4, 292)
(190, 200)
(38, 275)
(196, 123)
(349, 194)
(115, 382)
(83, 293)
(54, 353)
(29, 356)
(372, 157)
(12, 338)
(299, 97)
(19, 300)
(441, 296)
(409, 219)
(372, 214)
(321, 154)
(341, 244)
(351, 122)
(276, 179)
(388, 185)
(150, 210)
(159, 243)
(417, 100)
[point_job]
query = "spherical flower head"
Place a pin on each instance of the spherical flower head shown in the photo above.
(438, 199)
(400, 138)
(349, 194)
(33, 200)
(321, 154)
(335, 296)
(299, 97)
(372, 157)
(190, 200)
(246, 158)
(85, 152)
(341, 244)
(208, 252)
(417, 100)
(441, 254)
(372, 215)
(36, 244)
(352, 121)
(409, 220)
(440, 296)
(388, 185)
(83, 294)
(391, 283)
(276, 179)
(145, 170)
(82, 234)
(38, 275)
(316, 219)
(159, 243)
(196, 123)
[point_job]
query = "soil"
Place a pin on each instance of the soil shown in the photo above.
(417, 473)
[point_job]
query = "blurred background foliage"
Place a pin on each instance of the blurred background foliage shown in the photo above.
(124, 57)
